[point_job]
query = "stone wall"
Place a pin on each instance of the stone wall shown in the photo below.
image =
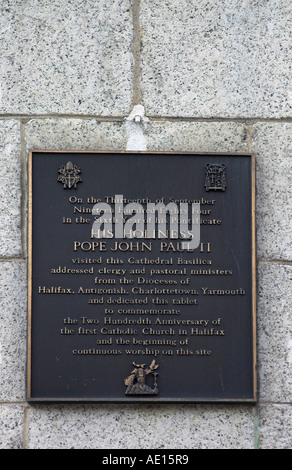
(212, 76)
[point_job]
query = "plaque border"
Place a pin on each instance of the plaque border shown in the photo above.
(142, 399)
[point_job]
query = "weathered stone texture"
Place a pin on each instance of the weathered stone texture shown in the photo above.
(275, 332)
(11, 426)
(74, 134)
(10, 188)
(272, 147)
(275, 427)
(64, 57)
(141, 427)
(197, 136)
(228, 58)
(13, 317)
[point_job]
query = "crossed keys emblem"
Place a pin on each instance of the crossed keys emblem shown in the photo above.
(69, 175)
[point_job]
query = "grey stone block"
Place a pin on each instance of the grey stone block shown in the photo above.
(272, 147)
(274, 326)
(10, 189)
(197, 136)
(13, 295)
(141, 427)
(11, 422)
(74, 134)
(66, 57)
(275, 427)
(226, 58)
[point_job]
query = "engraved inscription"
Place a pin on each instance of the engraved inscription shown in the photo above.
(109, 311)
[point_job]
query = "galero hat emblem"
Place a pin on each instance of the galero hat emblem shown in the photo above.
(215, 177)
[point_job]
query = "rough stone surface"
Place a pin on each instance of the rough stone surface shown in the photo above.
(13, 287)
(223, 58)
(272, 146)
(275, 427)
(197, 136)
(57, 57)
(11, 422)
(143, 427)
(275, 332)
(10, 188)
(74, 134)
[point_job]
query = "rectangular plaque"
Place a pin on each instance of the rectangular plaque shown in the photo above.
(125, 309)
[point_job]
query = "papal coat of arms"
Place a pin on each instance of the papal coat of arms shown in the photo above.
(69, 175)
(215, 177)
(136, 382)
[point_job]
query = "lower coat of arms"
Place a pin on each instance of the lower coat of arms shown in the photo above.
(136, 382)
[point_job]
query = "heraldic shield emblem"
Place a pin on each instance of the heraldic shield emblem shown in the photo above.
(136, 382)
(215, 177)
(69, 175)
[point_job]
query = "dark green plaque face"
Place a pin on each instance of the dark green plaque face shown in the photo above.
(122, 313)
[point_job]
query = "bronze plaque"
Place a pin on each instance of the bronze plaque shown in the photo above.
(141, 277)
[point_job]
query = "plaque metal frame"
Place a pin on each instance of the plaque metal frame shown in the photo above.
(142, 399)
